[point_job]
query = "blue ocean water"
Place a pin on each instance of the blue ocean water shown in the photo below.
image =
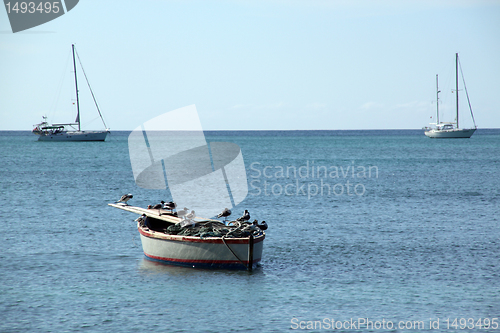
(412, 235)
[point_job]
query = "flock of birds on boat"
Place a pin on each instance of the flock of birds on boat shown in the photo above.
(188, 216)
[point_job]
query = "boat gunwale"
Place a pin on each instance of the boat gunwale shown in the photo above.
(194, 239)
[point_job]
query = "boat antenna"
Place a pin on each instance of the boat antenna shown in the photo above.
(437, 99)
(88, 83)
(76, 87)
(466, 93)
(456, 80)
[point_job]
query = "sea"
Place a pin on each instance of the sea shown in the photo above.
(369, 231)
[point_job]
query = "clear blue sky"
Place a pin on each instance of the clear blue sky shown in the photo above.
(255, 64)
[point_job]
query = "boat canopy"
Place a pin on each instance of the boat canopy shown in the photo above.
(52, 127)
(445, 125)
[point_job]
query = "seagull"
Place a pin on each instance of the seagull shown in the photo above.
(125, 198)
(158, 206)
(262, 226)
(141, 220)
(187, 223)
(251, 228)
(225, 213)
(170, 206)
(182, 213)
(191, 215)
(245, 217)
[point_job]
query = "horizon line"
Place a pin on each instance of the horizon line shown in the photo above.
(254, 130)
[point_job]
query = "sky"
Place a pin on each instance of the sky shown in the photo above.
(256, 65)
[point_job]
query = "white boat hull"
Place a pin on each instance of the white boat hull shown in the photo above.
(211, 252)
(74, 136)
(453, 133)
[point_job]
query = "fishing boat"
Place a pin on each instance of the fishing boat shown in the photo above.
(70, 131)
(451, 129)
(201, 243)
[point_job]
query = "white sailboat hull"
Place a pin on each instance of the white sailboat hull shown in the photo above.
(75, 136)
(452, 133)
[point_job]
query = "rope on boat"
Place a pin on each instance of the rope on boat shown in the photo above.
(213, 228)
(466, 93)
(234, 254)
(91, 91)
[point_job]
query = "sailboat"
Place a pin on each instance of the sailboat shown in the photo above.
(70, 131)
(450, 129)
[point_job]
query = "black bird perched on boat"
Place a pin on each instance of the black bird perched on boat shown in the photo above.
(225, 213)
(125, 198)
(141, 220)
(262, 226)
(158, 206)
(170, 206)
(245, 217)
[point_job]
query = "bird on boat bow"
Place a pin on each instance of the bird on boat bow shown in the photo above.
(141, 220)
(191, 215)
(125, 198)
(188, 220)
(182, 213)
(170, 206)
(262, 226)
(158, 206)
(245, 217)
(225, 213)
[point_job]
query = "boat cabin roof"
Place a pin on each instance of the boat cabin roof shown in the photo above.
(445, 125)
(53, 127)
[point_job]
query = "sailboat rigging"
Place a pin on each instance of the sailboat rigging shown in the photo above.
(59, 132)
(447, 129)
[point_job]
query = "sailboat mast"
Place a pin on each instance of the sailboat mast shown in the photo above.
(437, 99)
(76, 87)
(456, 65)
